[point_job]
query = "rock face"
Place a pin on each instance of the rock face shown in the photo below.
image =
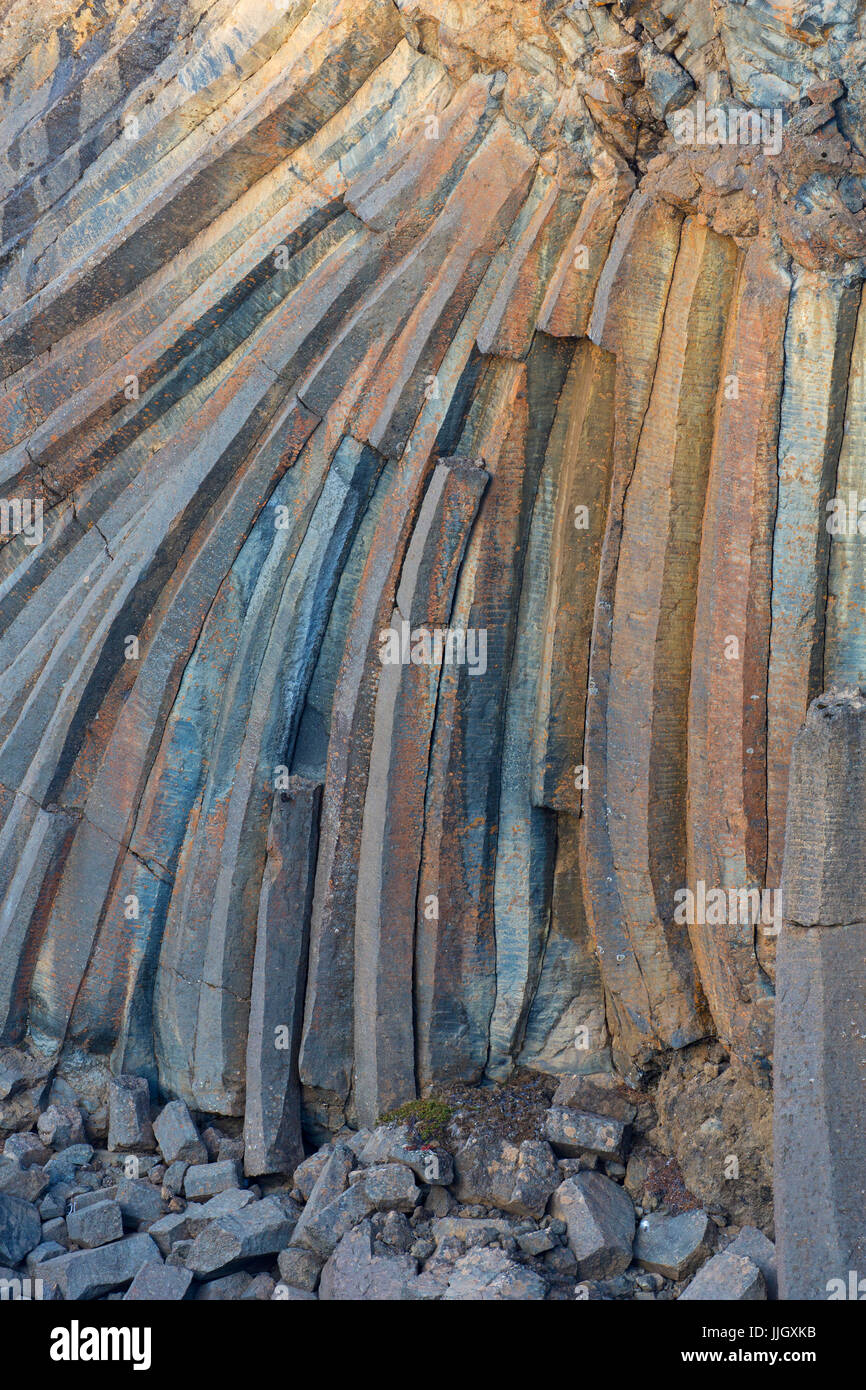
(719, 1128)
(820, 1050)
(430, 442)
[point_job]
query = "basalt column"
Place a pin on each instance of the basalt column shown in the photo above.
(727, 793)
(820, 1049)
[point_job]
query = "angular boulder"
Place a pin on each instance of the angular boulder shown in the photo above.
(177, 1135)
(488, 1275)
(260, 1229)
(90, 1273)
(129, 1126)
(726, 1278)
(354, 1274)
(20, 1228)
(672, 1246)
(517, 1178)
(573, 1132)
(599, 1218)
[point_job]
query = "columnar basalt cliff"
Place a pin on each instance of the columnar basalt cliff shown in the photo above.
(421, 429)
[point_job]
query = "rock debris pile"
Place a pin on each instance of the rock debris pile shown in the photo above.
(452, 1202)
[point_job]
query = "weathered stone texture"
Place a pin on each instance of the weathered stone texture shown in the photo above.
(820, 1132)
(321, 318)
(272, 1119)
(727, 729)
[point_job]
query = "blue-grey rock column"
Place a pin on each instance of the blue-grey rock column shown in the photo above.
(820, 1043)
(272, 1120)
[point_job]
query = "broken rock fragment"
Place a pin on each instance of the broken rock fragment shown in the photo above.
(762, 1252)
(571, 1132)
(672, 1246)
(60, 1126)
(89, 1273)
(482, 1275)
(95, 1225)
(391, 1187)
(260, 1229)
(390, 1144)
(354, 1272)
(129, 1127)
(177, 1136)
(204, 1180)
(599, 1218)
(157, 1282)
(516, 1178)
(727, 1278)
(20, 1228)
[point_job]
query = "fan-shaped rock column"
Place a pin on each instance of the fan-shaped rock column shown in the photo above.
(727, 785)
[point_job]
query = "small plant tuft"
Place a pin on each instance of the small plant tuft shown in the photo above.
(427, 1119)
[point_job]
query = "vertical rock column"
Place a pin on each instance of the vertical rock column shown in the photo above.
(820, 1045)
(821, 321)
(627, 319)
(584, 479)
(651, 640)
(845, 629)
(547, 693)
(726, 820)
(272, 1119)
(665, 327)
(465, 954)
(455, 955)
(393, 823)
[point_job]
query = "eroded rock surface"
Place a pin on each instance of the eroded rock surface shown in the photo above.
(427, 434)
